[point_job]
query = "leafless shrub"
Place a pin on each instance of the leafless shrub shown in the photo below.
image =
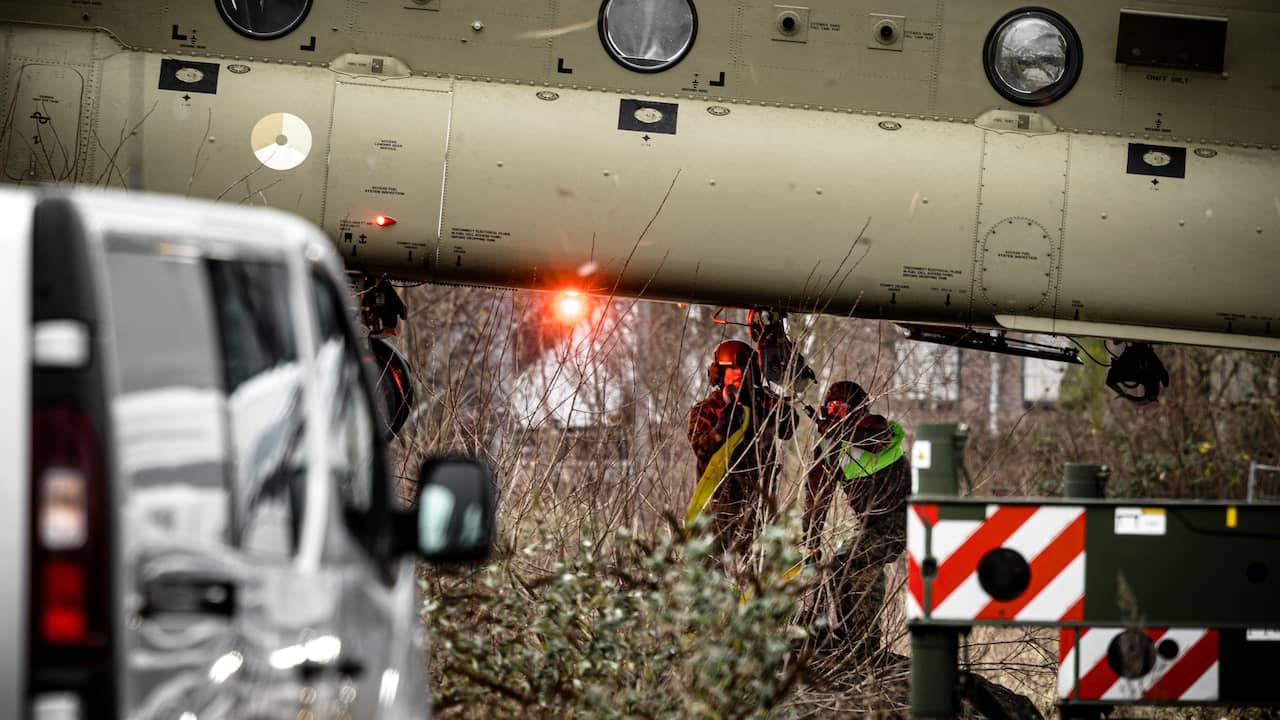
(585, 427)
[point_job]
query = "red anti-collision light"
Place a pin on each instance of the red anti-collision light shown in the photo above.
(384, 220)
(571, 307)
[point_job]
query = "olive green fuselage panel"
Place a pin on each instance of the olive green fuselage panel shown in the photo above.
(821, 172)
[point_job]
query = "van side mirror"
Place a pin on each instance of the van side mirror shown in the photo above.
(454, 518)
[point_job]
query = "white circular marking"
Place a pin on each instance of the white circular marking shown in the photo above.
(189, 75)
(281, 141)
(648, 115)
(1156, 158)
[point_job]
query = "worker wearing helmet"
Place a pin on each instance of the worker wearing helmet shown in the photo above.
(862, 454)
(733, 433)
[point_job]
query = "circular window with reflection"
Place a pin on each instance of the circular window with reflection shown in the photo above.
(1033, 56)
(648, 35)
(264, 19)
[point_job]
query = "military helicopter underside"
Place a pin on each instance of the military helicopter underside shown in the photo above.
(976, 192)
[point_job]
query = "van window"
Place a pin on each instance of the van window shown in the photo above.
(263, 382)
(172, 443)
(164, 323)
(354, 450)
(209, 411)
(253, 311)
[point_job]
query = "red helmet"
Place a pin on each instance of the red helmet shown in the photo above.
(844, 398)
(730, 353)
(733, 353)
(872, 432)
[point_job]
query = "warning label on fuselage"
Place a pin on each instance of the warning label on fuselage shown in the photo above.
(477, 235)
(929, 273)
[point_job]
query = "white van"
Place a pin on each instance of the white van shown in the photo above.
(196, 517)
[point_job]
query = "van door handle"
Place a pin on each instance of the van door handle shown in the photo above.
(188, 594)
(351, 667)
(342, 666)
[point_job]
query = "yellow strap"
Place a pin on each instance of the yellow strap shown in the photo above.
(791, 574)
(717, 467)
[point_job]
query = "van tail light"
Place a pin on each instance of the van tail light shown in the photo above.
(62, 619)
(73, 663)
(70, 588)
(63, 515)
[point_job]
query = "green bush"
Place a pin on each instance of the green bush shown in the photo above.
(641, 628)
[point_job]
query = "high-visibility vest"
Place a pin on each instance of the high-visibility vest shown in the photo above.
(717, 468)
(859, 463)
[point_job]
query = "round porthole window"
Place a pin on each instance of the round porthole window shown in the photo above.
(648, 35)
(1033, 56)
(264, 19)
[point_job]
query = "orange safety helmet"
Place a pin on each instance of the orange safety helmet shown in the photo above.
(730, 353)
(844, 393)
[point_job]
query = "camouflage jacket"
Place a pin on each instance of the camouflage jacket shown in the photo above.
(879, 500)
(747, 487)
(713, 419)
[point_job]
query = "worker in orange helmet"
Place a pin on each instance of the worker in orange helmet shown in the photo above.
(862, 454)
(734, 433)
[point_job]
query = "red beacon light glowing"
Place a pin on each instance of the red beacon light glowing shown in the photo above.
(384, 220)
(571, 307)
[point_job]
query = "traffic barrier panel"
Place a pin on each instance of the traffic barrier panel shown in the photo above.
(1119, 665)
(1023, 563)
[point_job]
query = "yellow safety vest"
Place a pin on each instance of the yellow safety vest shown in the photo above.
(858, 463)
(717, 468)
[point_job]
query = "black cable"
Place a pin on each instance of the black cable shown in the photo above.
(1089, 355)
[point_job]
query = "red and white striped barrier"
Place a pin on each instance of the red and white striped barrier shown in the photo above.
(918, 517)
(1022, 562)
(1181, 665)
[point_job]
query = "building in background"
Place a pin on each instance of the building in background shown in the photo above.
(984, 389)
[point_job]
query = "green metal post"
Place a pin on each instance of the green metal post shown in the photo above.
(938, 462)
(935, 672)
(1081, 480)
